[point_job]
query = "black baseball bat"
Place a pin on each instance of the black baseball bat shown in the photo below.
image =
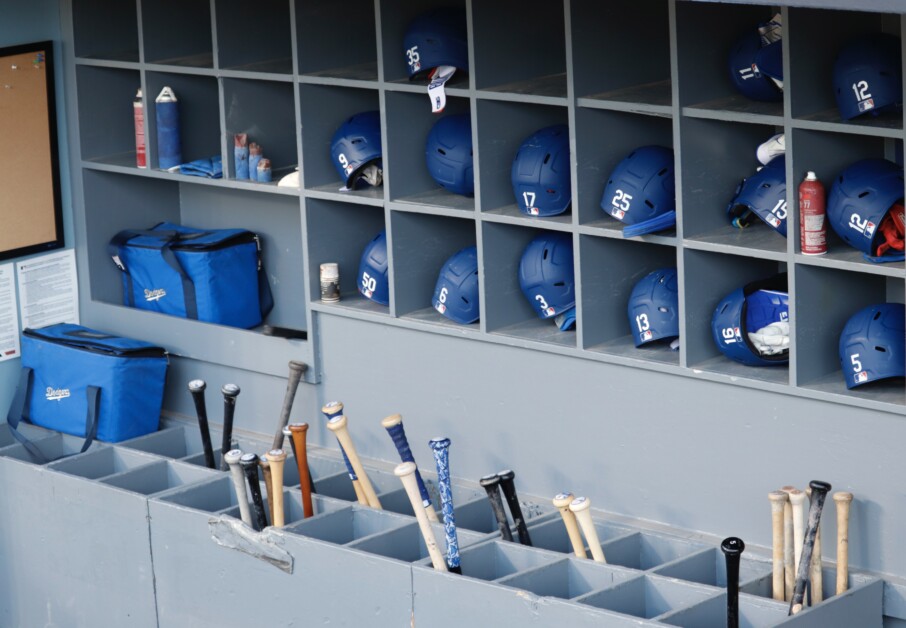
(296, 369)
(249, 463)
(819, 492)
(230, 392)
(197, 387)
(509, 491)
(732, 547)
(491, 484)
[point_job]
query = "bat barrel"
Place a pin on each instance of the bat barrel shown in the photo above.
(233, 456)
(732, 547)
(405, 471)
(561, 502)
(844, 502)
(300, 447)
(296, 370)
(277, 460)
(778, 500)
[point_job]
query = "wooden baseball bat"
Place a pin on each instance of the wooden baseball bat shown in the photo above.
(819, 492)
(299, 431)
(268, 484)
(230, 392)
(508, 486)
(296, 370)
(580, 508)
(405, 471)
(844, 502)
(242, 499)
(732, 548)
(249, 463)
(277, 460)
(196, 388)
(338, 425)
(778, 500)
(816, 578)
(330, 410)
(394, 426)
(491, 484)
(789, 571)
(797, 499)
(561, 502)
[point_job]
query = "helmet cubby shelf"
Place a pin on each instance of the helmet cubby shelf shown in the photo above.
(539, 198)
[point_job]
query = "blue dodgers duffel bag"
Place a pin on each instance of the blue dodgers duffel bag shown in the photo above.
(216, 275)
(88, 383)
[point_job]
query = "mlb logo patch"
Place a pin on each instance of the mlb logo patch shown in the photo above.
(440, 307)
(861, 377)
(416, 66)
(867, 104)
(646, 335)
(349, 170)
(617, 213)
(869, 229)
(773, 220)
(534, 211)
(368, 293)
(549, 311)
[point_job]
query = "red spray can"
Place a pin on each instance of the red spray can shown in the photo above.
(138, 112)
(812, 211)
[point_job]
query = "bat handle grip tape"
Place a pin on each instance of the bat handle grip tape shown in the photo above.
(442, 459)
(398, 435)
(499, 513)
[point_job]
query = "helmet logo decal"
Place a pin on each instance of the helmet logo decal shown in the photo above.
(860, 375)
(369, 284)
(865, 227)
(413, 59)
(347, 168)
(547, 309)
(863, 97)
(620, 204)
(441, 300)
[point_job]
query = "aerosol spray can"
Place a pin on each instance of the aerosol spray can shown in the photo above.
(138, 113)
(330, 282)
(254, 158)
(169, 147)
(241, 155)
(812, 209)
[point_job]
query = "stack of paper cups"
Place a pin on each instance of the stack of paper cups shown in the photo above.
(330, 282)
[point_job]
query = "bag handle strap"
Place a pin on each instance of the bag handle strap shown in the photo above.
(166, 239)
(19, 410)
(265, 297)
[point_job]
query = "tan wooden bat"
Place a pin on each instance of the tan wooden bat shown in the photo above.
(844, 502)
(779, 499)
(277, 460)
(338, 425)
(405, 471)
(561, 503)
(580, 507)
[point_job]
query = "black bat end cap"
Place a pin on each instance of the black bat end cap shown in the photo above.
(506, 475)
(732, 545)
(818, 485)
(489, 480)
(230, 390)
(197, 385)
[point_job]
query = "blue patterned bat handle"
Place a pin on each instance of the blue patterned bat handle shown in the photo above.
(330, 410)
(440, 447)
(398, 434)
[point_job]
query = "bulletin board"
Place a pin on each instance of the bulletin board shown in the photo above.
(30, 205)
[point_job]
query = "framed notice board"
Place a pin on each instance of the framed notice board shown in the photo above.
(30, 206)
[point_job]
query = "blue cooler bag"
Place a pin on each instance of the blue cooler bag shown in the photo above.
(88, 383)
(215, 276)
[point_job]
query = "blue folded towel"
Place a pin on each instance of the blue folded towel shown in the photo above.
(211, 168)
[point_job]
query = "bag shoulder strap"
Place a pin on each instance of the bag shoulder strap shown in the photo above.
(19, 410)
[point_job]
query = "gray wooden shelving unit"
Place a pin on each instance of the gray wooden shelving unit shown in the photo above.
(621, 74)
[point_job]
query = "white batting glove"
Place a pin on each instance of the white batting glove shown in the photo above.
(772, 339)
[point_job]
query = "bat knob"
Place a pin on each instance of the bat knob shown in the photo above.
(248, 460)
(842, 497)
(562, 500)
(336, 423)
(404, 469)
(332, 408)
(230, 390)
(297, 367)
(732, 546)
(197, 386)
(287, 431)
(490, 480)
(819, 486)
(298, 427)
(438, 444)
(579, 504)
(506, 475)
(275, 455)
(390, 421)
(233, 456)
